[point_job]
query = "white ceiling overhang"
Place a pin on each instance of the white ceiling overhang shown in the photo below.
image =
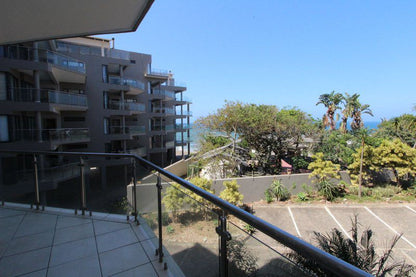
(29, 20)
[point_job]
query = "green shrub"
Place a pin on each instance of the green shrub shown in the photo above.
(328, 190)
(268, 196)
(388, 191)
(231, 192)
(165, 219)
(307, 189)
(302, 196)
(249, 229)
(170, 229)
(279, 190)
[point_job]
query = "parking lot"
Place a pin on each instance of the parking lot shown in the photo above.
(386, 221)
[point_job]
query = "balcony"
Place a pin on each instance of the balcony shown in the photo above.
(163, 111)
(162, 128)
(49, 138)
(109, 243)
(130, 108)
(165, 95)
(126, 132)
(139, 151)
(183, 142)
(180, 127)
(56, 100)
(157, 76)
(131, 86)
(63, 68)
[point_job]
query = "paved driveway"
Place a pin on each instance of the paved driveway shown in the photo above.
(386, 221)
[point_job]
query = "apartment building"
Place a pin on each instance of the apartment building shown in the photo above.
(80, 94)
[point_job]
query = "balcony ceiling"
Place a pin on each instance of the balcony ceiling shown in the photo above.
(28, 20)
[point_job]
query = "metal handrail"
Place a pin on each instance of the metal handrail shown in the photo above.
(328, 262)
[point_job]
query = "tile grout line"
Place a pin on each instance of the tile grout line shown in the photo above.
(391, 228)
(294, 222)
(138, 239)
(14, 234)
(96, 247)
(53, 240)
(337, 222)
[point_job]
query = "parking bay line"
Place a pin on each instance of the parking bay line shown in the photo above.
(337, 222)
(391, 228)
(411, 209)
(294, 222)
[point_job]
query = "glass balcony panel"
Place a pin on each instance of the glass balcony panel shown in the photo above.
(114, 80)
(131, 106)
(136, 130)
(47, 96)
(134, 83)
(170, 144)
(251, 252)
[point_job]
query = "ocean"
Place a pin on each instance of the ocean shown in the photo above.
(195, 132)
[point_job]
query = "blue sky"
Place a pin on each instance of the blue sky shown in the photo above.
(284, 53)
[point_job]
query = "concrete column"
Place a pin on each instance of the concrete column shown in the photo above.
(188, 132)
(35, 52)
(37, 86)
(122, 100)
(38, 122)
(182, 146)
(123, 124)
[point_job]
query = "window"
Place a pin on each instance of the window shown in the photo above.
(105, 99)
(106, 126)
(4, 128)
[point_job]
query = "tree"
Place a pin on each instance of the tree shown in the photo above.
(397, 156)
(349, 102)
(331, 101)
(226, 120)
(358, 110)
(231, 193)
(402, 127)
(360, 253)
(323, 170)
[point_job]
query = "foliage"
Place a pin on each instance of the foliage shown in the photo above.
(279, 190)
(323, 170)
(331, 101)
(170, 229)
(268, 196)
(174, 199)
(329, 190)
(249, 229)
(241, 261)
(231, 193)
(302, 196)
(367, 165)
(195, 201)
(227, 120)
(360, 253)
(402, 127)
(210, 141)
(397, 156)
(299, 162)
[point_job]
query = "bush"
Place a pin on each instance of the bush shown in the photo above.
(388, 191)
(279, 190)
(170, 229)
(358, 252)
(231, 193)
(249, 229)
(268, 196)
(329, 190)
(302, 196)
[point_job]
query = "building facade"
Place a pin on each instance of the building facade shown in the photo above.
(80, 94)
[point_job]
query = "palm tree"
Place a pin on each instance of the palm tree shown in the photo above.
(331, 101)
(349, 102)
(359, 109)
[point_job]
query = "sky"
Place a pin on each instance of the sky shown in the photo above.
(284, 53)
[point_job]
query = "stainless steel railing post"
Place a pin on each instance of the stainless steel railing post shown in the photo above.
(135, 192)
(36, 176)
(224, 237)
(83, 194)
(159, 216)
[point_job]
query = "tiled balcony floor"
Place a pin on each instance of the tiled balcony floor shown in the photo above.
(56, 242)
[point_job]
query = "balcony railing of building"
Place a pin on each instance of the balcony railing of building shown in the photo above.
(117, 80)
(139, 151)
(166, 93)
(129, 130)
(163, 110)
(179, 126)
(43, 55)
(128, 106)
(46, 96)
(147, 209)
(158, 72)
(185, 140)
(184, 98)
(53, 135)
(158, 127)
